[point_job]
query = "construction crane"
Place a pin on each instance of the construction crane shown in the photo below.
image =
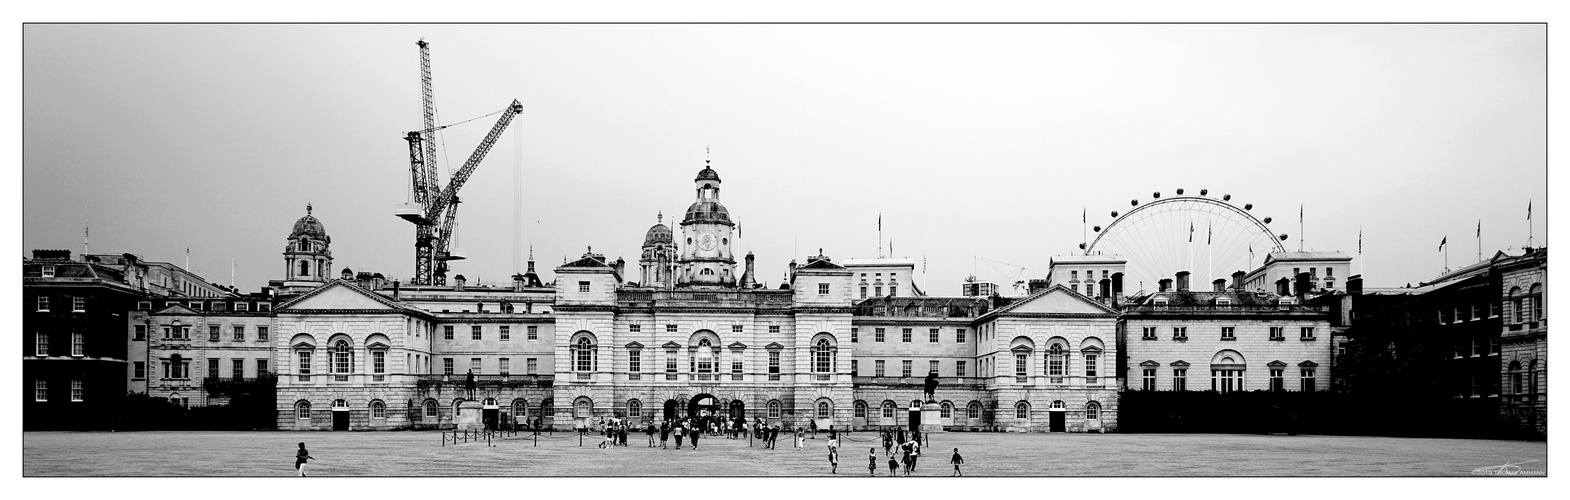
(1019, 277)
(432, 209)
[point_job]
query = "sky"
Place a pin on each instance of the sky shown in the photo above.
(981, 146)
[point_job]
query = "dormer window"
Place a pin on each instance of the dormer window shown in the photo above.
(1159, 302)
(1286, 301)
(49, 271)
(1223, 302)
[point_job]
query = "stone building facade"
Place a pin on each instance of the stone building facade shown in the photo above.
(1523, 282)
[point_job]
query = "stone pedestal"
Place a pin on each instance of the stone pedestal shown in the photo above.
(931, 418)
(469, 415)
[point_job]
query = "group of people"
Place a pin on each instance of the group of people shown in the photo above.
(901, 452)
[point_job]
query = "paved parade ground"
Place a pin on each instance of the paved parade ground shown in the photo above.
(986, 454)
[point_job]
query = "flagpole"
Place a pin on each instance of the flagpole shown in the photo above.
(1480, 240)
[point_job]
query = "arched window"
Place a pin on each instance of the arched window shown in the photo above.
(861, 409)
(583, 408)
(1058, 405)
(946, 410)
(634, 409)
(1516, 301)
(1055, 361)
(305, 268)
(1516, 379)
(1093, 411)
(378, 409)
(1022, 410)
(823, 409)
(774, 408)
(973, 410)
(339, 403)
(704, 359)
(430, 410)
(302, 409)
(341, 358)
(520, 409)
(823, 357)
(888, 409)
(583, 355)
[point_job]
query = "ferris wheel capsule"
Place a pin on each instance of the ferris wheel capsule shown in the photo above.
(1180, 191)
(1114, 214)
(1249, 206)
(1081, 246)
(1133, 202)
(1226, 197)
(1203, 192)
(1283, 236)
(1096, 229)
(1267, 220)
(1156, 194)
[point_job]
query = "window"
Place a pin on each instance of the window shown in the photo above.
(148, 306)
(1021, 367)
(447, 366)
(1073, 275)
(863, 291)
(860, 409)
(41, 344)
(634, 364)
(1276, 384)
(302, 410)
(1223, 302)
(264, 306)
(304, 356)
(212, 333)
(49, 271)
(533, 365)
(904, 335)
(635, 408)
(855, 367)
(1147, 379)
(77, 339)
(505, 332)
(946, 410)
(1090, 370)
(1228, 333)
(904, 368)
(430, 410)
(242, 307)
(139, 369)
(78, 303)
(237, 368)
(140, 332)
(378, 410)
(888, 409)
(772, 329)
(973, 411)
(877, 335)
(735, 366)
(877, 368)
(823, 357)
(1179, 333)
(1180, 379)
(1225, 381)
(1278, 333)
(1055, 361)
(475, 364)
(534, 332)
(504, 365)
(1092, 411)
(261, 368)
(446, 332)
(735, 328)
(959, 335)
(1307, 379)
(474, 332)
(932, 335)
(196, 306)
(261, 334)
(583, 287)
(853, 335)
(670, 364)
(823, 288)
(1307, 333)
(76, 390)
(823, 409)
(1147, 333)
(932, 366)
(774, 409)
(877, 290)
(774, 365)
(959, 368)
(1022, 410)
(670, 328)
(40, 390)
(705, 359)
(341, 361)
(1536, 295)
(378, 364)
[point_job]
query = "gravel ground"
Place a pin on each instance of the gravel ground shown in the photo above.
(986, 454)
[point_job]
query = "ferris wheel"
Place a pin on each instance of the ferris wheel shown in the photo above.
(1209, 237)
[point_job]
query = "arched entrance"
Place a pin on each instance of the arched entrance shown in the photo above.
(738, 409)
(670, 410)
(703, 405)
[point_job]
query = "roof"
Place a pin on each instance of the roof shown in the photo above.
(1087, 259)
(350, 284)
(1197, 298)
(707, 211)
(658, 234)
(707, 174)
(1305, 256)
(880, 261)
(1054, 288)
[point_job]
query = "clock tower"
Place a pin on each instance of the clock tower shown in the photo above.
(706, 237)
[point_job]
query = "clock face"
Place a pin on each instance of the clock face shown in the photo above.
(706, 242)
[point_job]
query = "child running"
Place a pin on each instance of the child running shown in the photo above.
(956, 460)
(300, 457)
(893, 467)
(872, 461)
(834, 461)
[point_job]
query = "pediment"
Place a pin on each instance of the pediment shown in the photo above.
(175, 310)
(339, 295)
(1057, 300)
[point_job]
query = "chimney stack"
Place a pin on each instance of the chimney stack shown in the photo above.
(395, 289)
(1166, 284)
(1237, 280)
(1037, 285)
(1104, 288)
(1182, 281)
(517, 282)
(1219, 285)
(1354, 285)
(1304, 283)
(1283, 287)
(458, 282)
(748, 280)
(1117, 287)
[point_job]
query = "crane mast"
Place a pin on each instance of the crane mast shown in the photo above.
(434, 209)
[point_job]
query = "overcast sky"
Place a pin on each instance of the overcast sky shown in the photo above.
(971, 140)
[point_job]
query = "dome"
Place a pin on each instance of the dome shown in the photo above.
(707, 211)
(707, 174)
(658, 234)
(309, 226)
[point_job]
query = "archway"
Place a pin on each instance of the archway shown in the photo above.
(738, 409)
(670, 410)
(703, 405)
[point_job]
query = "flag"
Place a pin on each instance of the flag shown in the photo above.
(880, 221)
(1208, 228)
(1360, 241)
(1442, 242)
(1480, 228)
(1191, 232)
(1084, 215)
(1528, 209)
(1300, 212)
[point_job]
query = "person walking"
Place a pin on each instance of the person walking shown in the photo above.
(834, 442)
(650, 431)
(893, 466)
(834, 461)
(888, 443)
(300, 457)
(680, 431)
(812, 424)
(665, 434)
(957, 461)
(696, 431)
(915, 454)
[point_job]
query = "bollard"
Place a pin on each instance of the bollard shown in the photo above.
(536, 440)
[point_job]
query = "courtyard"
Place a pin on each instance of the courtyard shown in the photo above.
(252, 454)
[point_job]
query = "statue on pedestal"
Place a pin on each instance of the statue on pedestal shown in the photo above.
(931, 386)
